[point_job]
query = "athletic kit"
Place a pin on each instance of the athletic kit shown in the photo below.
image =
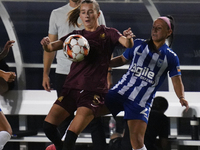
(58, 25)
(90, 75)
(136, 89)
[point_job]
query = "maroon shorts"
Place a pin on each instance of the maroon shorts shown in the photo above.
(71, 99)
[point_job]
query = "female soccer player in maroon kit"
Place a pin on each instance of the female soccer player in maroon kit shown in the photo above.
(86, 84)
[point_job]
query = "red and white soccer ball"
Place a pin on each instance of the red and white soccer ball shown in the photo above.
(51, 147)
(76, 47)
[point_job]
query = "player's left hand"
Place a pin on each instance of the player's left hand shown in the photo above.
(6, 49)
(128, 33)
(184, 103)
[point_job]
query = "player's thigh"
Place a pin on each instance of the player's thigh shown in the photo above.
(82, 118)
(56, 115)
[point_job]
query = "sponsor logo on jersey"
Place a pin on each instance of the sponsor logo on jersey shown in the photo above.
(143, 73)
(96, 101)
(178, 68)
(159, 62)
(60, 98)
(103, 36)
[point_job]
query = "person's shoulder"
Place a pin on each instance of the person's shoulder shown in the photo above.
(139, 41)
(108, 29)
(169, 51)
(61, 9)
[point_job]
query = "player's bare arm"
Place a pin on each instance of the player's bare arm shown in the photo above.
(47, 61)
(179, 90)
(6, 49)
(51, 46)
(7, 76)
(127, 38)
(118, 61)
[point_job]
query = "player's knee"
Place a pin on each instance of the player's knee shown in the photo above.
(137, 137)
(48, 127)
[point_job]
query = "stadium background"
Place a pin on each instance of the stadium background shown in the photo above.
(30, 21)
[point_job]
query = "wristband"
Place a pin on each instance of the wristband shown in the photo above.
(181, 97)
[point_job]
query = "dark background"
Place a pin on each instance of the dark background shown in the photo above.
(31, 21)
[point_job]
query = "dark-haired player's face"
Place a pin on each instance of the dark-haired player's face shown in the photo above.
(160, 31)
(89, 15)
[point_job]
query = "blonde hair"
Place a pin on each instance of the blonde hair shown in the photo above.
(73, 15)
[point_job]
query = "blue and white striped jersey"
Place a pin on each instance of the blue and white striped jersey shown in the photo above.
(146, 72)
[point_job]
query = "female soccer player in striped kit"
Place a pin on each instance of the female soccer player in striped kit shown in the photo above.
(151, 60)
(86, 85)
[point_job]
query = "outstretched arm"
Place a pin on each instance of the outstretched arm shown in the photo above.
(179, 90)
(118, 61)
(6, 49)
(49, 46)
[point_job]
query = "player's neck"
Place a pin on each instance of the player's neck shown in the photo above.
(92, 29)
(158, 44)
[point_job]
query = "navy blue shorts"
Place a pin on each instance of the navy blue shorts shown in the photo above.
(132, 110)
(71, 99)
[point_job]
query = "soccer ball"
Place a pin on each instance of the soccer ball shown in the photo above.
(51, 147)
(76, 47)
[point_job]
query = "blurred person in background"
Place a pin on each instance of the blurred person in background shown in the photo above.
(157, 132)
(6, 80)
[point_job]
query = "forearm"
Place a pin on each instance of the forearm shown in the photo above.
(47, 61)
(3, 54)
(6, 49)
(129, 43)
(179, 90)
(49, 46)
(1, 73)
(118, 61)
(178, 86)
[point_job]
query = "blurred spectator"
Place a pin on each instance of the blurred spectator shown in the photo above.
(158, 126)
(5, 79)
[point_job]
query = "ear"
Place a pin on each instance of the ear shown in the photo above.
(169, 32)
(99, 14)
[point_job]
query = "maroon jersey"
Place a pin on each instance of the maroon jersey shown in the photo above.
(91, 73)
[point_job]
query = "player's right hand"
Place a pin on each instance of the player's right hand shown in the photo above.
(9, 76)
(46, 83)
(45, 41)
(6, 49)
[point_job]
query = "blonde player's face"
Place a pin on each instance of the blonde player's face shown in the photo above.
(89, 15)
(160, 31)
